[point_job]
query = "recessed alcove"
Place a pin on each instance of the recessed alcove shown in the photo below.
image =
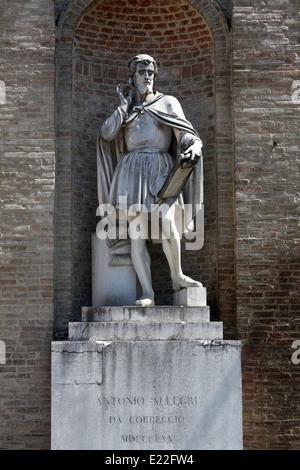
(189, 41)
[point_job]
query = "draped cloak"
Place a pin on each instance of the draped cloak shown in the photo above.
(110, 153)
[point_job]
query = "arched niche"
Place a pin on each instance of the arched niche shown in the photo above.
(95, 40)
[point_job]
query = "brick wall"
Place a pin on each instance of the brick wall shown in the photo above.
(265, 65)
(26, 240)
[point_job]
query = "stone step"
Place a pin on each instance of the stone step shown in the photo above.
(145, 331)
(160, 314)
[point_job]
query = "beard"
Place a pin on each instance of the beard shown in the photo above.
(145, 89)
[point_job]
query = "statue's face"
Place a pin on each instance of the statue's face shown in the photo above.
(144, 78)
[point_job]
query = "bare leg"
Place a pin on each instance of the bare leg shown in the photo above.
(142, 265)
(172, 250)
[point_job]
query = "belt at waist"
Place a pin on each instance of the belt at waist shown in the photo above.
(147, 150)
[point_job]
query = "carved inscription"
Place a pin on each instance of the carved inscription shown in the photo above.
(167, 400)
(153, 415)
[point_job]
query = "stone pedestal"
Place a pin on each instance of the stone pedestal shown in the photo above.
(107, 270)
(154, 378)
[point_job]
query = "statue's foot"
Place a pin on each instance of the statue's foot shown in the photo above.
(183, 281)
(145, 301)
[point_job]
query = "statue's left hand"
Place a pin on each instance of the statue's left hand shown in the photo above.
(192, 155)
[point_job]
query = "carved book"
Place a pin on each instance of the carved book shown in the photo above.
(176, 179)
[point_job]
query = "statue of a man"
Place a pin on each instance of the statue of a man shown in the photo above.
(135, 157)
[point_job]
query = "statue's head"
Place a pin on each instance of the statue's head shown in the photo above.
(137, 61)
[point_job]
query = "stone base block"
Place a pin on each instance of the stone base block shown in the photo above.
(146, 395)
(190, 297)
(152, 378)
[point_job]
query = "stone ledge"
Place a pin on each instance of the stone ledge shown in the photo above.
(145, 331)
(160, 314)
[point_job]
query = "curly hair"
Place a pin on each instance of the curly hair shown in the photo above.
(141, 58)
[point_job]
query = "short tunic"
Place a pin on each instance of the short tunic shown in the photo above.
(139, 176)
(142, 171)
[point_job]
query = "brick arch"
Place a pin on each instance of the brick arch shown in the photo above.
(210, 11)
(92, 53)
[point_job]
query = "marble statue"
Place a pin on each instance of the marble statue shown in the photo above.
(137, 147)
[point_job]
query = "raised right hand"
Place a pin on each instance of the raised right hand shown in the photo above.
(125, 94)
